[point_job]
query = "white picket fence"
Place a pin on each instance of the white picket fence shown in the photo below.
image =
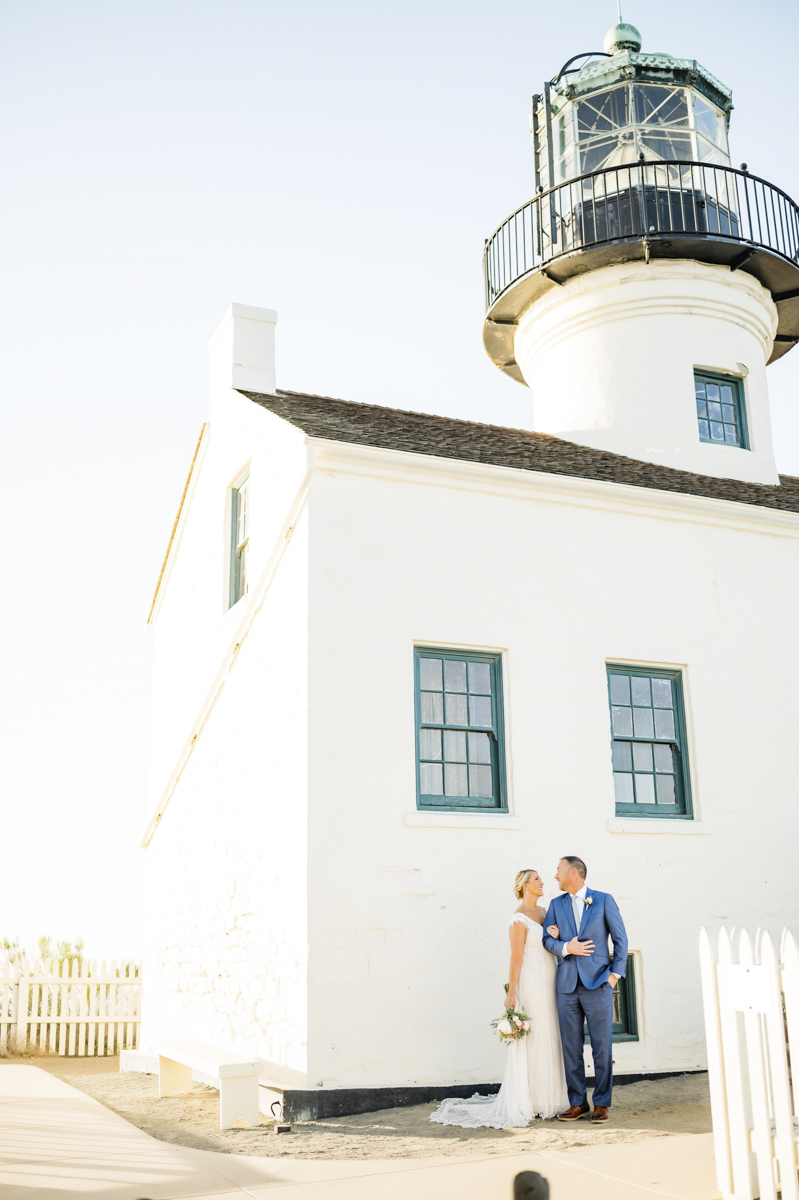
(92, 1009)
(751, 1009)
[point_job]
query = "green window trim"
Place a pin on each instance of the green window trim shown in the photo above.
(459, 730)
(625, 1007)
(239, 540)
(649, 752)
(721, 410)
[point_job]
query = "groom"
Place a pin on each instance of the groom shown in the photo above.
(585, 982)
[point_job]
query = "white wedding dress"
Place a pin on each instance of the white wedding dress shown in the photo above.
(534, 1083)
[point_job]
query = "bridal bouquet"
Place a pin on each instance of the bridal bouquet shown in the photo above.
(513, 1026)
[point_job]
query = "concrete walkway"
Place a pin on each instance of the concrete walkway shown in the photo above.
(55, 1141)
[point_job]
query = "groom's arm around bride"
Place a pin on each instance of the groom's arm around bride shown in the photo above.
(575, 948)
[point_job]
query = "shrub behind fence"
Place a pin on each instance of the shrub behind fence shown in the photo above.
(89, 1008)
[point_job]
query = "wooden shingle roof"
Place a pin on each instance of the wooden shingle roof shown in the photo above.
(500, 446)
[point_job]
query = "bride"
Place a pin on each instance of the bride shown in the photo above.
(534, 1083)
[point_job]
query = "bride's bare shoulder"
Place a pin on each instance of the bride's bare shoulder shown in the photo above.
(537, 915)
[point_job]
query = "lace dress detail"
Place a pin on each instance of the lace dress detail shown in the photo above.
(534, 1082)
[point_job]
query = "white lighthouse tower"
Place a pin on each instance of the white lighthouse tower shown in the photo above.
(644, 289)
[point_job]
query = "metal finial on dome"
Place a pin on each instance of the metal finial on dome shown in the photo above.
(622, 37)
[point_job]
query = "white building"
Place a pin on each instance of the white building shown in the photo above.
(390, 646)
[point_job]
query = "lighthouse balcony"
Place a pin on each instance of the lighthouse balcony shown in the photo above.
(634, 213)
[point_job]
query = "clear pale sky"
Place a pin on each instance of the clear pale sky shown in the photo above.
(341, 163)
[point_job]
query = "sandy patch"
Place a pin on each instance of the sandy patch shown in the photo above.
(640, 1110)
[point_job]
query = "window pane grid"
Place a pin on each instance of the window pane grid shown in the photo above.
(719, 410)
(458, 739)
(646, 748)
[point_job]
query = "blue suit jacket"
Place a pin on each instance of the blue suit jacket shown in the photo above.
(600, 919)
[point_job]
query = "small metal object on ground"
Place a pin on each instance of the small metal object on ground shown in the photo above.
(282, 1128)
(529, 1185)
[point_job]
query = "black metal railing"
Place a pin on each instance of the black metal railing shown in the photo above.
(641, 200)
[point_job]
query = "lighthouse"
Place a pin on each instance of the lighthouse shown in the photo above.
(644, 289)
(461, 649)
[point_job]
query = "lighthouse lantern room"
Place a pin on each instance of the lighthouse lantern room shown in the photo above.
(648, 278)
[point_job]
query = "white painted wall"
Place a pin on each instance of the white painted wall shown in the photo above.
(610, 358)
(407, 925)
(227, 876)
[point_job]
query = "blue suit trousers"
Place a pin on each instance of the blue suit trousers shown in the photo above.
(594, 1005)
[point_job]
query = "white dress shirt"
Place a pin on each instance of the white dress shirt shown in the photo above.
(578, 908)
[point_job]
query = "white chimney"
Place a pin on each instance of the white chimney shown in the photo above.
(242, 350)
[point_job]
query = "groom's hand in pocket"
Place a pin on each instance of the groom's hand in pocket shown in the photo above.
(581, 949)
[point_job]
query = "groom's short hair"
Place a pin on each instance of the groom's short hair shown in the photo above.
(577, 863)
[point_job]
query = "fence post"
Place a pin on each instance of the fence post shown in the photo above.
(790, 985)
(91, 992)
(130, 1000)
(139, 1000)
(112, 1007)
(33, 1038)
(715, 1066)
(61, 972)
(13, 1007)
(52, 1005)
(761, 1123)
(5, 1003)
(21, 1040)
(83, 998)
(774, 1029)
(736, 1074)
(102, 992)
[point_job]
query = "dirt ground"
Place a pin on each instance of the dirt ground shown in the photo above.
(640, 1110)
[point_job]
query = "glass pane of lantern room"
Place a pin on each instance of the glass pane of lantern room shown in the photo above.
(707, 153)
(662, 117)
(665, 145)
(603, 112)
(662, 106)
(604, 130)
(607, 152)
(710, 123)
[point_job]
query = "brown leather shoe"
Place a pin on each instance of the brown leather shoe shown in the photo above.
(600, 1114)
(575, 1112)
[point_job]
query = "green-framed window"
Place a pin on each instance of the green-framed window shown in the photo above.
(625, 1011)
(650, 762)
(239, 539)
(460, 753)
(720, 410)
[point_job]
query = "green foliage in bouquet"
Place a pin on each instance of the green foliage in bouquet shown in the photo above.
(513, 1025)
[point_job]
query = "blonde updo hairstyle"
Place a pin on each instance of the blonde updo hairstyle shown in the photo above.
(521, 880)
